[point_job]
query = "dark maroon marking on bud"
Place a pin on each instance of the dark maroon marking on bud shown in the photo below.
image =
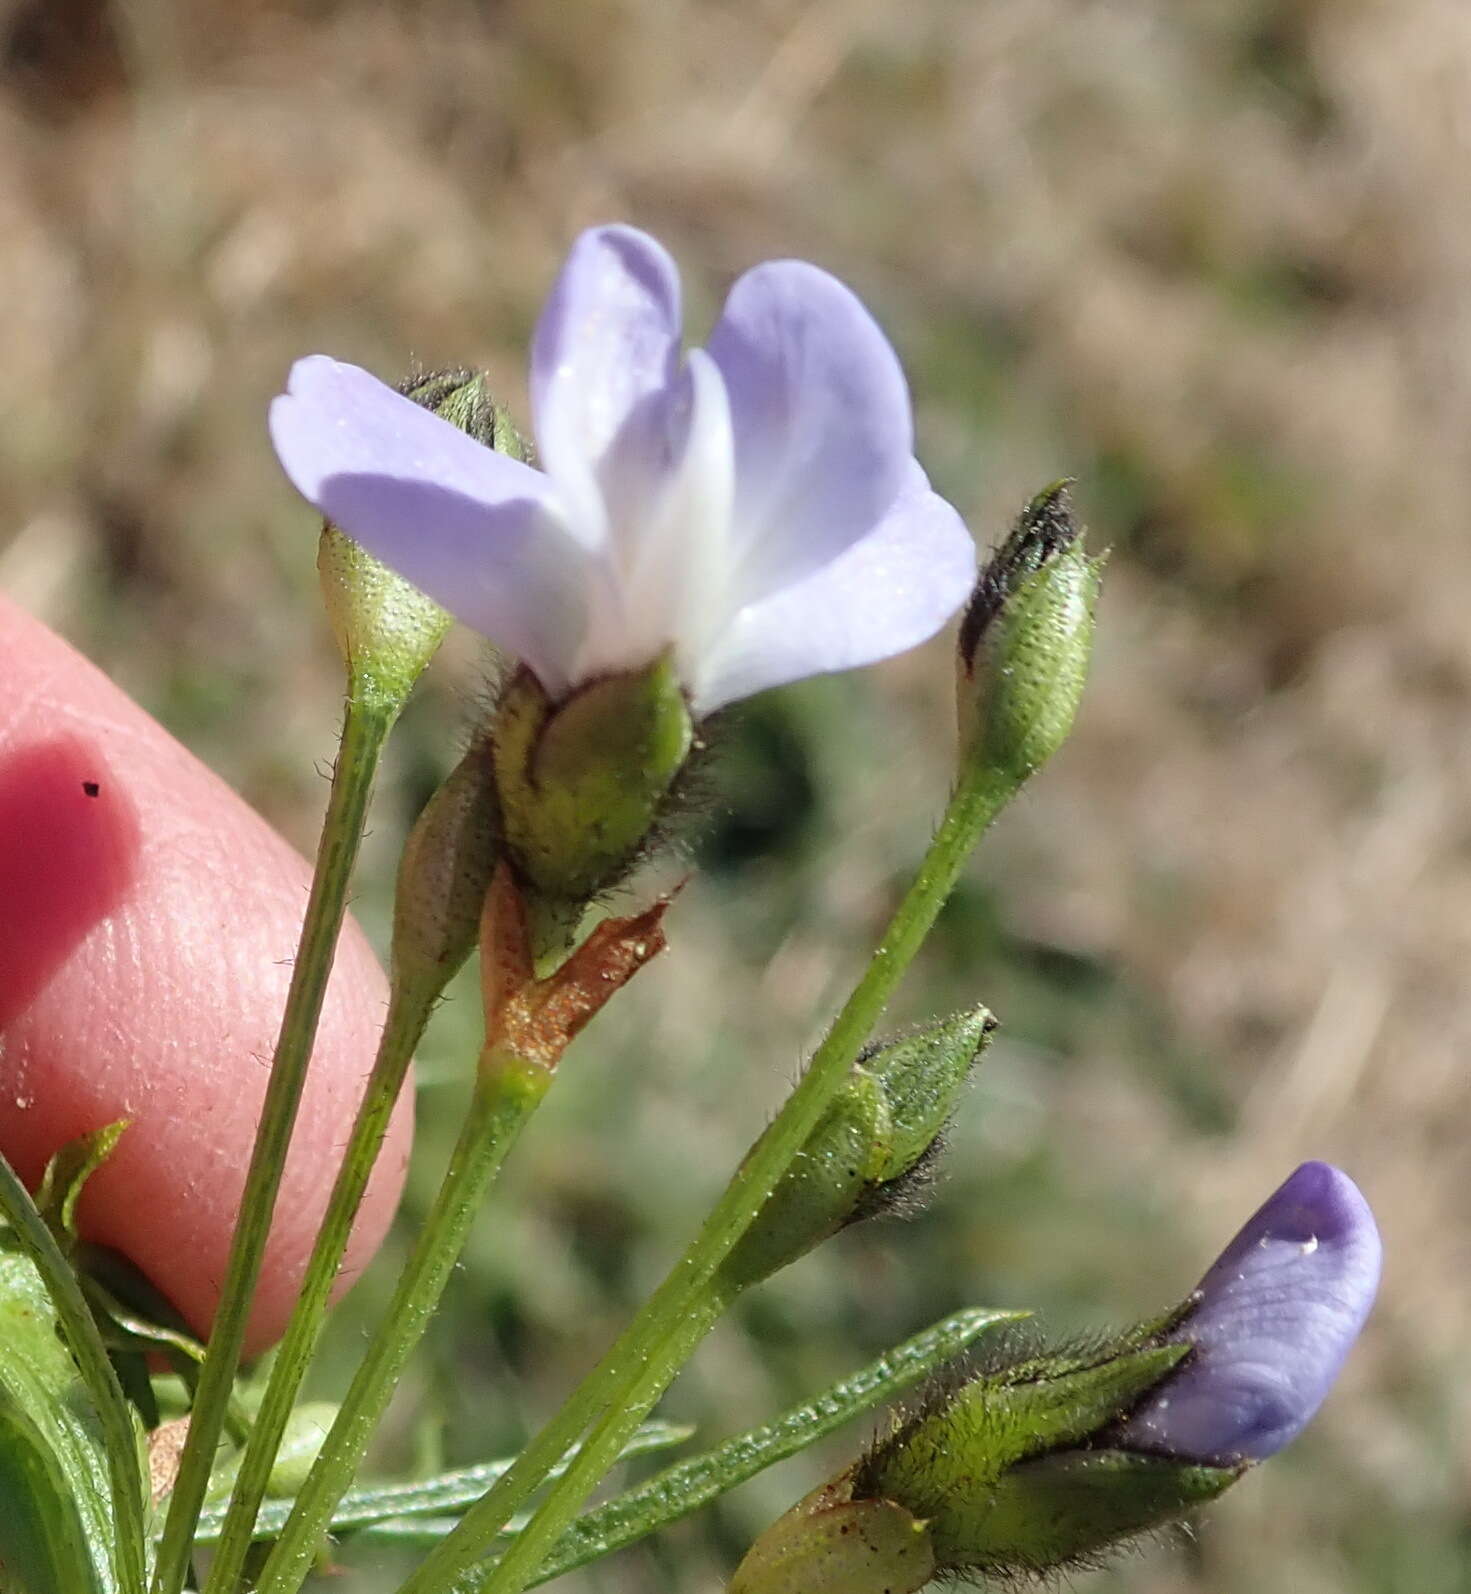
(1043, 530)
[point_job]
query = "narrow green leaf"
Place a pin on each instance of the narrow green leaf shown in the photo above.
(131, 1331)
(685, 1487)
(42, 1293)
(56, 1524)
(68, 1172)
(301, 1440)
(412, 1533)
(429, 1495)
(134, 1322)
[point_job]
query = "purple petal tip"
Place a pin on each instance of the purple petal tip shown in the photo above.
(1275, 1317)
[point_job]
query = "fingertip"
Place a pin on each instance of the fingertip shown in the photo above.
(142, 976)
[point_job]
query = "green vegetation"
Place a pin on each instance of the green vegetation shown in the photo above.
(1209, 261)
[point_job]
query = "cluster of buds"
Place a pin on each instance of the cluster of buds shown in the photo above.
(1038, 1464)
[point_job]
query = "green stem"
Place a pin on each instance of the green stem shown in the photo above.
(449, 1491)
(364, 729)
(687, 1485)
(631, 1377)
(84, 1340)
(410, 1004)
(507, 1092)
(592, 1460)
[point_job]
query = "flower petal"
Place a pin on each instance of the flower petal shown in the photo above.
(477, 530)
(606, 342)
(1277, 1315)
(820, 411)
(668, 582)
(887, 593)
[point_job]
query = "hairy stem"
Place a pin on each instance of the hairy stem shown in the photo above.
(617, 1394)
(688, 1485)
(508, 1090)
(410, 1005)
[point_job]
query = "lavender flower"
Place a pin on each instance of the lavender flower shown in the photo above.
(1275, 1317)
(755, 506)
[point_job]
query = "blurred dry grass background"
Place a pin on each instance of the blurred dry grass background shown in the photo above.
(1214, 261)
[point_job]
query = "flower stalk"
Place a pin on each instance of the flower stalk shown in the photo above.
(365, 728)
(410, 1005)
(386, 632)
(620, 1391)
(529, 1023)
(508, 1089)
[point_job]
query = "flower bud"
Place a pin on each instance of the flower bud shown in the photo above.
(1025, 642)
(820, 1191)
(386, 629)
(831, 1545)
(988, 1467)
(444, 873)
(582, 784)
(922, 1074)
(881, 1130)
(999, 1476)
(1271, 1324)
(1030, 1467)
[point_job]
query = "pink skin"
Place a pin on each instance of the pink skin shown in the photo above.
(147, 923)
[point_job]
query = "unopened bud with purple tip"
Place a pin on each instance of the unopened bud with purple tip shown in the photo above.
(1272, 1322)
(1041, 1463)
